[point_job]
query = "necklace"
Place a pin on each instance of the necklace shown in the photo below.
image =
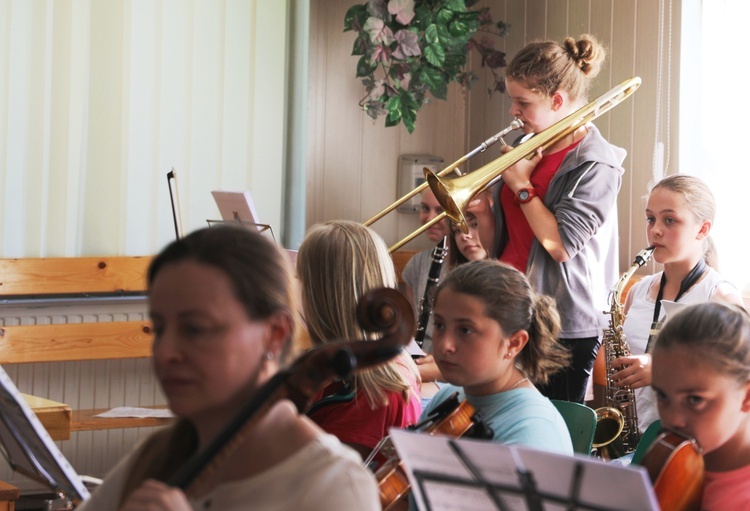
(518, 383)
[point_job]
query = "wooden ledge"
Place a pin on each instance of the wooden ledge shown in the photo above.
(87, 420)
(54, 416)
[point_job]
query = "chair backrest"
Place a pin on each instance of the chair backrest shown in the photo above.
(647, 438)
(581, 422)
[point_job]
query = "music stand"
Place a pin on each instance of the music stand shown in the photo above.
(457, 474)
(238, 208)
(30, 450)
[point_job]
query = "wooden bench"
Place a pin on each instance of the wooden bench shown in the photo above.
(34, 281)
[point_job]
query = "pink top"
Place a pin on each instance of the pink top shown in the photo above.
(727, 490)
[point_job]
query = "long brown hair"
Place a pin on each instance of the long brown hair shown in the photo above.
(509, 300)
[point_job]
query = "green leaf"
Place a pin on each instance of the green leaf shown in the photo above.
(364, 67)
(459, 27)
(431, 77)
(444, 16)
(455, 5)
(435, 55)
(355, 12)
(360, 45)
(431, 35)
(441, 91)
(394, 109)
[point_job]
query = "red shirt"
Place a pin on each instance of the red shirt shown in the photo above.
(520, 235)
(354, 422)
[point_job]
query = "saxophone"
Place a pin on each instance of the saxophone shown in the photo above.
(433, 277)
(617, 430)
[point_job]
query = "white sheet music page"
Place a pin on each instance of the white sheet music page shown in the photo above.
(437, 470)
(28, 447)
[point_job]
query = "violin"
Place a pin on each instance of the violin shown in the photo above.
(675, 467)
(451, 418)
(385, 311)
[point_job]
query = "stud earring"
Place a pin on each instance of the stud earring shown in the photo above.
(269, 355)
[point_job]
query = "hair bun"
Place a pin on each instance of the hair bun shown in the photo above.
(587, 53)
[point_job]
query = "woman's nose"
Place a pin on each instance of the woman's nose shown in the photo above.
(165, 347)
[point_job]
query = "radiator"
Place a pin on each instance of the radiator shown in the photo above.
(85, 384)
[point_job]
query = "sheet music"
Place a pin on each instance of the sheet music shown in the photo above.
(441, 481)
(133, 411)
(29, 448)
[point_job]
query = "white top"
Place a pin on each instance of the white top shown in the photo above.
(322, 476)
(638, 325)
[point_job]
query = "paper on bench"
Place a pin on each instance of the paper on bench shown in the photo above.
(131, 411)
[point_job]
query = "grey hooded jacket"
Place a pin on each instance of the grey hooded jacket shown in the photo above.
(583, 197)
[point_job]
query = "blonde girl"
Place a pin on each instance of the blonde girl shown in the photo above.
(680, 212)
(337, 263)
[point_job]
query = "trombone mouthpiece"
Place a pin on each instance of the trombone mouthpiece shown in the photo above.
(514, 125)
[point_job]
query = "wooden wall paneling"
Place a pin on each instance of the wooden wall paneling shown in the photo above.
(579, 17)
(557, 21)
(316, 105)
(342, 165)
(536, 22)
(380, 151)
(623, 65)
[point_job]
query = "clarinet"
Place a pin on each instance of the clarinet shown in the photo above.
(433, 277)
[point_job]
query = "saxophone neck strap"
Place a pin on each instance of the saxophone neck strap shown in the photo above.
(689, 281)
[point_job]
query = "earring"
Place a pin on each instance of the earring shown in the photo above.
(269, 355)
(508, 355)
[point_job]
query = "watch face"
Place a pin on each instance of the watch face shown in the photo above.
(523, 195)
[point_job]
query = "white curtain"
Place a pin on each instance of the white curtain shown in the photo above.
(99, 99)
(715, 113)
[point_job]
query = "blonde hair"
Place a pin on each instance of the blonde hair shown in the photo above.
(549, 66)
(337, 263)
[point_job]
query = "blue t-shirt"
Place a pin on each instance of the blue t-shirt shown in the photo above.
(517, 417)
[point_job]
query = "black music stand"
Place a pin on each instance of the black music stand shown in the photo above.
(448, 473)
(30, 450)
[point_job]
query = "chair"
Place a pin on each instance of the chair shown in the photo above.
(581, 422)
(648, 437)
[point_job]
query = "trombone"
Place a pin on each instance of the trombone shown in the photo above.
(455, 194)
(514, 125)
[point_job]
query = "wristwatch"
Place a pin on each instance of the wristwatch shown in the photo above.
(524, 195)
